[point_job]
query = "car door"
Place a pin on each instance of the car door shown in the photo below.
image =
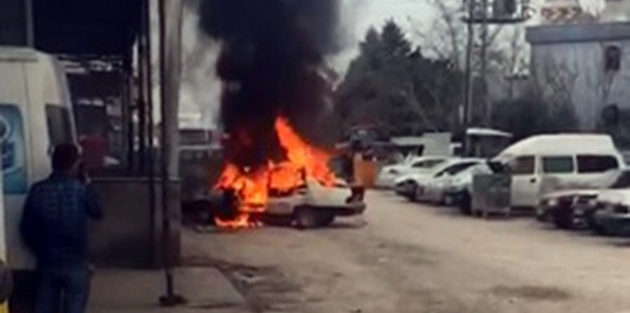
(557, 171)
(430, 190)
(435, 187)
(525, 181)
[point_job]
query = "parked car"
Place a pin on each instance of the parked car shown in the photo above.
(442, 188)
(388, 174)
(407, 185)
(569, 208)
(566, 158)
(612, 215)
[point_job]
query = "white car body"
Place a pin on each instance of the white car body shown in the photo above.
(406, 185)
(613, 211)
(561, 157)
(388, 174)
(35, 115)
(440, 189)
(454, 178)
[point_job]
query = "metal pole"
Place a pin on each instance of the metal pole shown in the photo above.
(127, 108)
(142, 90)
(485, 102)
(151, 153)
(170, 299)
(30, 32)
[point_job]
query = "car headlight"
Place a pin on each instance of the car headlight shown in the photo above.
(552, 202)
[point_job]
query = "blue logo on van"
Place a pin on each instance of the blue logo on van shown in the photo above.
(13, 150)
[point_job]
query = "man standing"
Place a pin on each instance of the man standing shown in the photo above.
(55, 227)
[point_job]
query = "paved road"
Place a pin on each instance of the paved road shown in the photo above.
(404, 257)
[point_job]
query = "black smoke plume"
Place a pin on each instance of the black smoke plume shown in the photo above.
(272, 63)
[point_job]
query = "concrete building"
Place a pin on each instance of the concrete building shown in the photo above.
(586, 66)
(580, 11)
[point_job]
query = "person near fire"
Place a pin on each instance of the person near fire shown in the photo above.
(55, 227)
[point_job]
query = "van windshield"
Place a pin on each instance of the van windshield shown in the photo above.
(59, 125)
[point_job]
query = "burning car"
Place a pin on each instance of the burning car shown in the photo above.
(277, 104)
(311, 205)
(315, 205)
(301, 187)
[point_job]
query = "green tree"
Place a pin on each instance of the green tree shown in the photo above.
(394, 85)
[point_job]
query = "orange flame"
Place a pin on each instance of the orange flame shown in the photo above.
(253, 187)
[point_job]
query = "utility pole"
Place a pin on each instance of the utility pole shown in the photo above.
(166, 20)
(486, 13)
(485, 99)
(468, 88)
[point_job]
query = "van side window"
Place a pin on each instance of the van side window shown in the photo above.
(596, 163)
(59, 126)
(557, 165)
(524, 165)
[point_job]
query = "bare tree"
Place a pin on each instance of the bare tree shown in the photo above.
(447, 36)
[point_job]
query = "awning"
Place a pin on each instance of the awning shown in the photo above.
(97, 27)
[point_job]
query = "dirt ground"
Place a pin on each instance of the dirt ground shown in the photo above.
(405, 257)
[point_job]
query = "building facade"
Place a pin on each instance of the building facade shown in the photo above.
(586, 66)
(15, 25)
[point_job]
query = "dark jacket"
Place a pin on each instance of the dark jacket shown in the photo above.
(55, 220)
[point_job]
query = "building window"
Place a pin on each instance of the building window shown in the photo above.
(612, 58)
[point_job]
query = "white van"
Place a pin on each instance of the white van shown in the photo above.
(574, 159)
(35, 115)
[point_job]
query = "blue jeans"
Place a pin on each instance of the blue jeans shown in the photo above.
(62, 290)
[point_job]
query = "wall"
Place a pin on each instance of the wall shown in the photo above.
(13, 23)
(570, 59)
(130, 235)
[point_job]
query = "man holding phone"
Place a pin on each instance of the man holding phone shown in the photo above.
(55, 227)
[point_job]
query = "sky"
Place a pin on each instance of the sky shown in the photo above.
(200, 89)
(359, 15)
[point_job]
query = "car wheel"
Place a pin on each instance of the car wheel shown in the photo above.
(465, 204)
(601, 230)
(307, 218)
(325, 219)
(417, 193)
(447, 200)
(563, 218)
